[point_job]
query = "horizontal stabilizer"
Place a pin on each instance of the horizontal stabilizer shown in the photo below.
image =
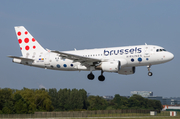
(22, 58)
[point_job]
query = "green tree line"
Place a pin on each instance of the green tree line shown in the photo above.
(27, 101)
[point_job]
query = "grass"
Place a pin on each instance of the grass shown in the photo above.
(148, 117)
(163, 113)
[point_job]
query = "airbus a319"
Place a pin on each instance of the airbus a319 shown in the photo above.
(121, 60)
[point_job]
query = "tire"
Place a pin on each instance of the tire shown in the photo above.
(90, 76)
(101, 78)
(150, 73)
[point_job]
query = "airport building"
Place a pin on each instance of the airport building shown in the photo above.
(108, 97)
(142, 93)
(164, 101)
(149, 94)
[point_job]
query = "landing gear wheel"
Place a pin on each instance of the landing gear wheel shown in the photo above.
(150, 73)
(149, 68)
(101, 78)
(90, 76)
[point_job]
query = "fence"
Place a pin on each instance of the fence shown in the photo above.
(98, 113)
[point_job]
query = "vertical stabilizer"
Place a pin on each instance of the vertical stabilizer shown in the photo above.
(28, 44)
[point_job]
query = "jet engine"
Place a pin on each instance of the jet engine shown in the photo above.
(112, 66)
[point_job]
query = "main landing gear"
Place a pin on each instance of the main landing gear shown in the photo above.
(90, 76)
(100, 78)
(149, 68)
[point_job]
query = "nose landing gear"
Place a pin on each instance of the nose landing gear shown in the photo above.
(149, 68)
(150, 73)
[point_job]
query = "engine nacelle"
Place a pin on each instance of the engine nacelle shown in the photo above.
(127, 70)
(112, 66)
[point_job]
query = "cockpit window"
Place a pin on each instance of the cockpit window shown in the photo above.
(160, 50)
(164, 50)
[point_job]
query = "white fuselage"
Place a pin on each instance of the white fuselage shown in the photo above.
(141, 55)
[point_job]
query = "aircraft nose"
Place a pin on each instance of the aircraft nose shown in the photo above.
(170, 56)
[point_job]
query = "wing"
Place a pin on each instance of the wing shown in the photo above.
(76, 58)
(22, 58)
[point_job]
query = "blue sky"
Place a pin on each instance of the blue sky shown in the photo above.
(65, 25)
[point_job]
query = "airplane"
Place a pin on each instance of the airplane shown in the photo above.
(121, 60)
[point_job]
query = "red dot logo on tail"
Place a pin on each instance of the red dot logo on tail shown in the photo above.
(20, 41)
(34, 47)
(26, 40)
(26, 32)
(33, 40)
(19, 33)
(27, 47)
